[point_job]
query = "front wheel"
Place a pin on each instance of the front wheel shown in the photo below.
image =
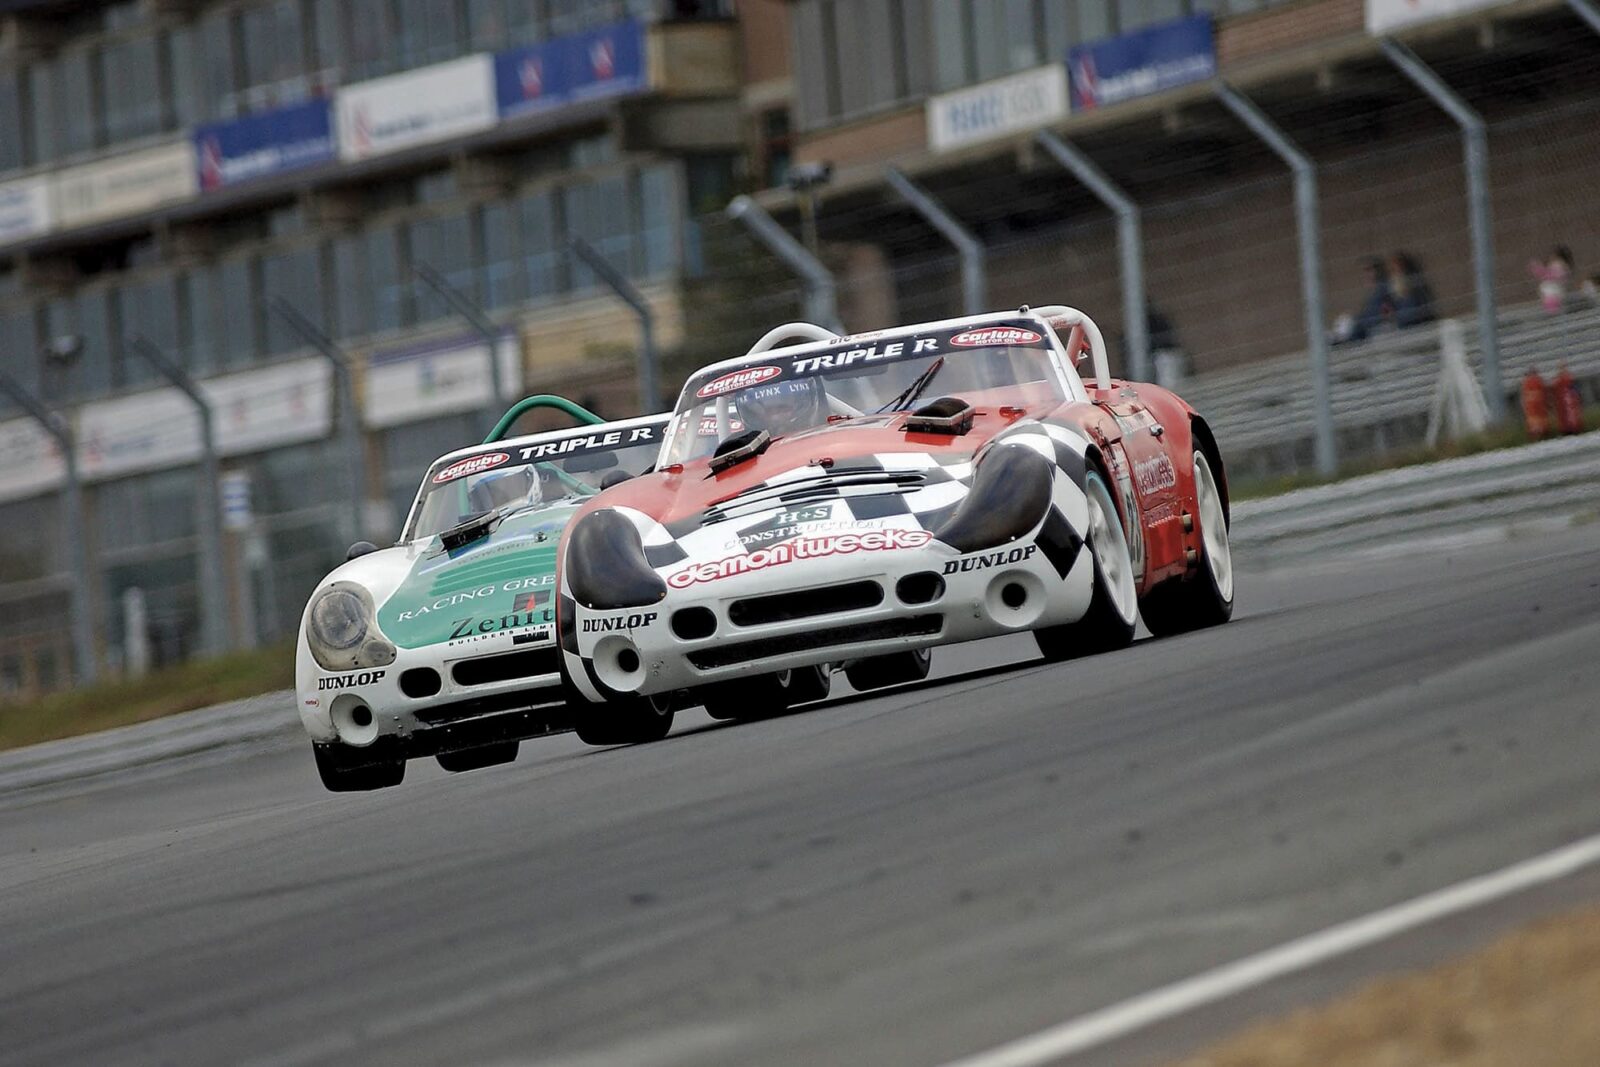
(342, 772)
(624, 720)
(1113, 607)
(760, 696)
(1204, 598)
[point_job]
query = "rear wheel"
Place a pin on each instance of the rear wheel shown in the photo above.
(1204, 598)
(624, 720)
(472, 759)
(1113, 607)
(895, 668)
(342, 772)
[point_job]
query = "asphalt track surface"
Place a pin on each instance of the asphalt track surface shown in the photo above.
(900, 879)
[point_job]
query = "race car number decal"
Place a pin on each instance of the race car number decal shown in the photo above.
(470, 465)
(798, 549)
(997, 335)
(743, 378)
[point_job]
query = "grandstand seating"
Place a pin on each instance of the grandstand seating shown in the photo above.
(1382, 389)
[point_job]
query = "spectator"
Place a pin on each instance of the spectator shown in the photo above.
(1554, 276)
(1377, 307)
(1409, 290)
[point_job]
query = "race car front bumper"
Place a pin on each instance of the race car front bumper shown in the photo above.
(846, 607)
(426, 703)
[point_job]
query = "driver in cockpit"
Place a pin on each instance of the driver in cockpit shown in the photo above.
(497, 489)
(783, 407)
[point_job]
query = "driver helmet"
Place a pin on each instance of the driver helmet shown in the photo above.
(496, 489)
(783, 407)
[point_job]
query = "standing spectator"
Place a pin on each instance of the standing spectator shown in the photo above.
(1412, 295)
(1554, 276)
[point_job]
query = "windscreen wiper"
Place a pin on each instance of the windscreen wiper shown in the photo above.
(914, 390)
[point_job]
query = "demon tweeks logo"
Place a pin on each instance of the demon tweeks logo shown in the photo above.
(799, 549)
(470, 465)
(732, 382)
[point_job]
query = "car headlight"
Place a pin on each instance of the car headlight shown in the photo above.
(1010, 492)
(342, 630)
(606, 567)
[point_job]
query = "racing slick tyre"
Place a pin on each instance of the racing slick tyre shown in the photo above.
(341, 773)
(896, 668)
(1113, 608)
(473, 759)
(807, 684)
(625, 720)
(1204, 598)
(760, 697)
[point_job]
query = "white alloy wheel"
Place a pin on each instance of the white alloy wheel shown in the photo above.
(1213, 527)
(1110, 548)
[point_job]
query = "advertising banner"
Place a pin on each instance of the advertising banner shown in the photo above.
(259, 146)
(126, 185)
(1386, 15)
(412, 384)
(253, 410)
(24, 210)
(1007, 105)
(609, 61)
(416, 107)
(1137, 64)
(34, 463)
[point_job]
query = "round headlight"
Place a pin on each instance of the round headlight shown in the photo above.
(338, 620)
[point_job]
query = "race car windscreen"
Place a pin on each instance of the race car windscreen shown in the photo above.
(515, 476)
(863, 378)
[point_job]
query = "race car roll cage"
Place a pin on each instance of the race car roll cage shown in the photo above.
(1081, 332)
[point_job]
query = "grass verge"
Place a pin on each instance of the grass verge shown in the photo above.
(196, 684)
(1529, 998)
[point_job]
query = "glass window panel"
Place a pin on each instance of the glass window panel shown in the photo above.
(12, 155)
(327, 34)
(429, 31)
(132, 89)
(1060, 29)
(599, 211)
(218, 76)
(661, 207)
(238, 322)
(42, 108)
(1022, 34)
(486, 23)
(388, 304)
(150, 310)
(368, 39)
(814, 64)
(951, 45)
(75, 88)
(1094, 20)
(19, 350)
(527, 20)
(294, 275)
(850, 58)
(183, 54)
(541, 244)
(502, 268)
(96, 325)
(444, 243)
(350, 295)
(274, 54)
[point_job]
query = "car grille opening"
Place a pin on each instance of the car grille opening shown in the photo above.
(420, 682)
(506, 666)
(692, 624)
(551, 696)
(924, 587)
(729, 654)
(804, 603)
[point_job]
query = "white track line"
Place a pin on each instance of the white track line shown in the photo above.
(1119, 1020)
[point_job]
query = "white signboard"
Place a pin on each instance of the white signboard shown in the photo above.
(251, 411)
(126, 185)
(24, 210)
(416, 107)
(33, 462)
(421, 383)
(1009, 105)
(1386, 15)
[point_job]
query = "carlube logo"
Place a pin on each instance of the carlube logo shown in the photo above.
(470, 465)
(743, 378)
(998, 335)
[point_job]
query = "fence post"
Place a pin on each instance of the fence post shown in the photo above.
(482, 325)
(649, 387)
(821, 303)
(973, 282)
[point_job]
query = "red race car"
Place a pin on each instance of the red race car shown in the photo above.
(852, 502)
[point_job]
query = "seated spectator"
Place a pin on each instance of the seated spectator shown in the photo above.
(1377, 307)
(1410, 292)
(1554, 275)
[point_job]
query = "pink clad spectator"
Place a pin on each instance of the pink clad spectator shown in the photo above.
(1554, 275)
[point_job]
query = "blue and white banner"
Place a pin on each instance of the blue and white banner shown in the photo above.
(609, 61)
(1137, 64)
(259, 146)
